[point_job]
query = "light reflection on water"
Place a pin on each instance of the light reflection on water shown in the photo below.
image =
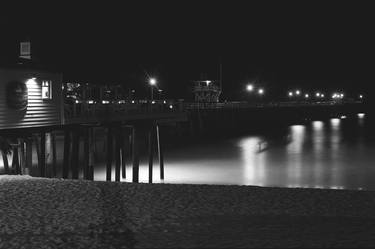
(319, 154)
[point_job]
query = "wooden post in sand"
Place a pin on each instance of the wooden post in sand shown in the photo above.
(109, 153)
(160, 152)
(42, 154)
(135, 155)
(123, 153)
(150, 152)
(86, 153)
(66, 159)
(5, 162)
(75, 153)
(29, 156)
(15, 161)
(118, 153)
(92, 152)
(54, 155)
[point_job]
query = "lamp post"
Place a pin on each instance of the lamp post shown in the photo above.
(249, 88)
(152, 83)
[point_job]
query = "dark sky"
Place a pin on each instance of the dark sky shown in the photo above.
(281, 44)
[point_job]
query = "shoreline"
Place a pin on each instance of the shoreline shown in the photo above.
(56, 213)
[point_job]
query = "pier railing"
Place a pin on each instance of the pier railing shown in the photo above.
(244, 104)
(112, 111)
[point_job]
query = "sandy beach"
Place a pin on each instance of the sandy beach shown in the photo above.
(54, 213)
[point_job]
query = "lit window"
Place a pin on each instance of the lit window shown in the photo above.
(46, 89)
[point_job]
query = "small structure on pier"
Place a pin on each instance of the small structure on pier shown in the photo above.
(206, 91)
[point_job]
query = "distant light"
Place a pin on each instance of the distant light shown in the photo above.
(342, 95)
(90, 102)
(343, 117)
(317, 94)
(164, 102)
(152, 81)
(261, 91)
(121, 102)
(290, 94)
(170, 106)
(250, 88)
(334, 95)
(322, 95)
(31, 81)
(361, 115)
(208, 82)
(105, 102)
(335, 122)
(298, 92)
(153, 102)
(306, 96)
(133, 101)
(77, 102)
(361, 96)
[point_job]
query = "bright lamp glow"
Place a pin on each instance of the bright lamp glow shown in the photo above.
(261, 91)
(306, 96)
(250, 88)
(317, 94)
(298, 92)
(152, 81)
(290, 94)
(361, 96)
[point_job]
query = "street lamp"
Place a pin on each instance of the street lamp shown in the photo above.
(290, 94)
(249, 88)
(261, 91)
(152, 83)
(306, 96)
(298, 92)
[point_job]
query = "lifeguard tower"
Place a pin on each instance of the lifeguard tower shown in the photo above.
(206, 91)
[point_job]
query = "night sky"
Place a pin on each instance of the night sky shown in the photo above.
(280, 45)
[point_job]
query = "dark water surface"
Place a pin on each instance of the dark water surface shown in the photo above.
(336, 153)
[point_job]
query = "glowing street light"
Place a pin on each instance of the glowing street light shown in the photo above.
(307, 96)
(152, 83)
(298, 92)
(317, 94)
(261, 91)
(361, 96)
(290, 94)
(249, 88)
(322, 95)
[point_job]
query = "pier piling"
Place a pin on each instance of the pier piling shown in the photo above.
(135, 156)
(109, 153)
(66, 159)
(160, 152)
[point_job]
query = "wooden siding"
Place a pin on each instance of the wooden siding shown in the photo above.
(39, 112)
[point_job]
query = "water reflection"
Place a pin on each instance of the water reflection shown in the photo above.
(319, 154)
